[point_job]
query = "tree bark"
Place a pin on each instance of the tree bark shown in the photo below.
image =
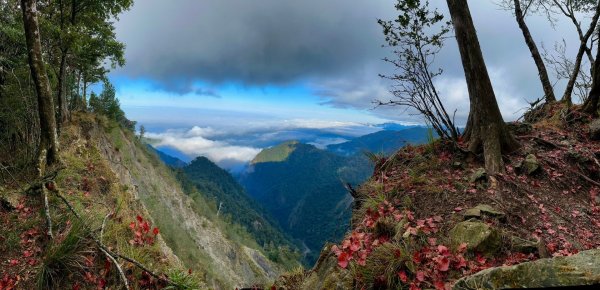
(582, 48)
(591, 105)
(48, 137)
(63, 111)
(537, 58)
(485, 127)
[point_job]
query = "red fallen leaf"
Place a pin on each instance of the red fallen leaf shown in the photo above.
(132, 225)
(439, 285)
(443, 264)
(190, 271)
(27, 253)
(443, 250)
(417, 258)
(139, 218)
(480, 259)
(86, 194)
(420, 276)
(460, 262)
(145, 226)
(343, 259)
(462, 247)
(155, 231)
(31, 262)
(14, 262)
(403, 277)
(101, 284)
(50, 186)
(458, 208)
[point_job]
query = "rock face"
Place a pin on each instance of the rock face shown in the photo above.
(477, 235)
(578, 270)
(595, 129)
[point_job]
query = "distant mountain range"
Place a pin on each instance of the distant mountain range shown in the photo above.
(384, 141)
(297, 188)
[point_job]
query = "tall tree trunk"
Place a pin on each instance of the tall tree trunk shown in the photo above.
(537, 58)
(485, 127)
(63, 110)
(84, 96)
(582, 48)
(48, 137)
(591, 105)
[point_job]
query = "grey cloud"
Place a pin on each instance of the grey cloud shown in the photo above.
(333, 46)
(251, 42)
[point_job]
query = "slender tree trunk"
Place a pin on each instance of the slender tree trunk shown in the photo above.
(591, 105)
(84, 96)
(63, 110)
(48, 137)
(537, 58)
(582, 48)
(485, 127)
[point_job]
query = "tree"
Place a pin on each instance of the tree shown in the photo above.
(520, 11)
(485, 127)
(142, 132)
(592, 104)
(48, 149)
(415, 46)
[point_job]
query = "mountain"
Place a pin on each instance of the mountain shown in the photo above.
(385, 141)
(302, 187)
(233, 203)
(168, 159)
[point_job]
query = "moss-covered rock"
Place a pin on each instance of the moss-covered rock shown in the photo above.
(478, 236)
(530, 165)
(478, 174)
(524, 246)
(483, 210)
(577, 270)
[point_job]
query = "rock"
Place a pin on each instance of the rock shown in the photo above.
(477, 175)
(530, 165)
(520, 127)
(457, 165)
(524, 246)
(577, 270)
(483, 210)
(478, 236)
(594, 127)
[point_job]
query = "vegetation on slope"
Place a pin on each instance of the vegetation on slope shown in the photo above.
(234, 205)
(408, 228)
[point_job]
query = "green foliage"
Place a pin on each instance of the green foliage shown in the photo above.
(107, 104)
(277, 153)
(184, 281)
(64, 258)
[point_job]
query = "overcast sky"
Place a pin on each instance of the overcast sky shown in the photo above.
(224, 64)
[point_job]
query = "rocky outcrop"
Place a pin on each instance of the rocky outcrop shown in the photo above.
(578, 270)
(478, 236)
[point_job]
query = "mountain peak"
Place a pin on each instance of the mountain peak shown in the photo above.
(276, 153)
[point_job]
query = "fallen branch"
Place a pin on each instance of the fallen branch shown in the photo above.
(47, 213)
(110, 257)
(107, 250)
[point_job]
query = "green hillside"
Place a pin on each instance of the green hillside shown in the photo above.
(234, 205)
(276, 153)
(305, 192)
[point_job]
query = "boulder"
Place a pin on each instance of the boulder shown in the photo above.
(477, 175)
(530, 165)
(524, 246)
(478, 236)
(482, 210)
(577, 270)
(594, 127)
